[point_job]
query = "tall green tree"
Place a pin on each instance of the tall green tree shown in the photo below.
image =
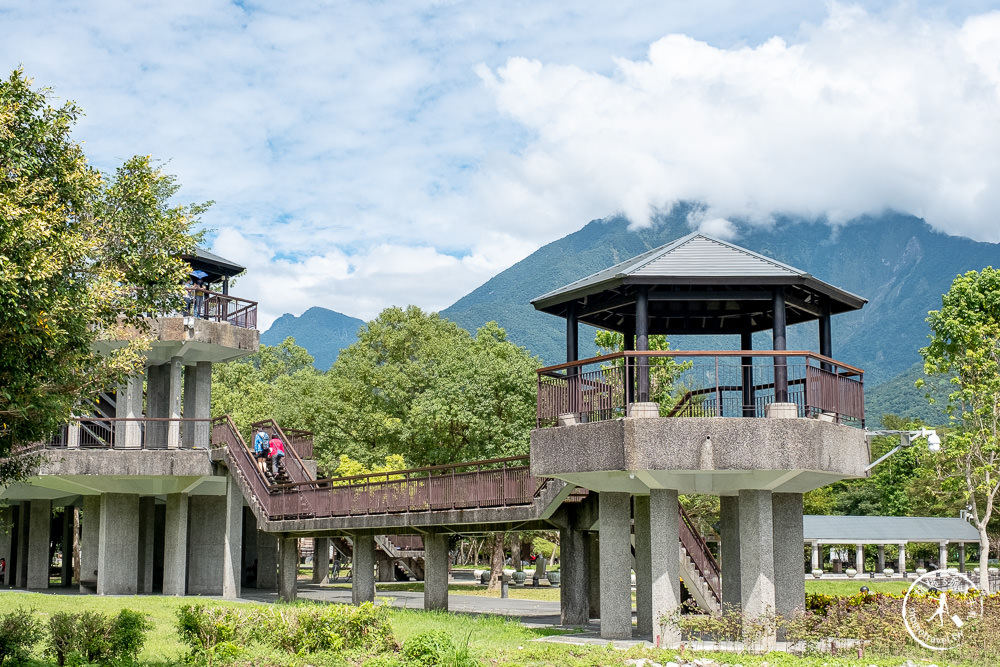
(419, 385)
(965, 346)
(83, 258)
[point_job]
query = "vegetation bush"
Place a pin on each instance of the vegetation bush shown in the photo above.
(96, 638)
(223, 633)
(428, 648)
(19, 632)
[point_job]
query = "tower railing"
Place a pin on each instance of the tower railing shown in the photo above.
(737, 383)
(218, 307)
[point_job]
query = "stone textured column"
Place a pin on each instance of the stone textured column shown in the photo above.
(157, 405)
(40, 519)
(128, 405)
(232, 565)
(206, 550)
(118, 555)
(901, 560)
(7, 543)
(90, 539)
(729, 550)
(175, 371)
(175, 545)
(961, 556)
(147, 524)
(789, 582)
(881, 557)
(859, 558)
(616, 559)
(321, 560)
(436, 568)
(197, 404)
(817, 556)
(66, 570)
(643, 567)
(665, 563)
(943, 555)
(363, 569)
(593, 546)
(267, 561)
(574, 607)
(288, 564)
(757, 552)
(22, 558)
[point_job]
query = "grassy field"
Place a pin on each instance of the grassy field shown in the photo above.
(492, 640)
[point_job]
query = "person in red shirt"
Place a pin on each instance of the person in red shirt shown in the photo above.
(276, 450)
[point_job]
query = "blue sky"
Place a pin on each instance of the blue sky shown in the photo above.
(363, 154)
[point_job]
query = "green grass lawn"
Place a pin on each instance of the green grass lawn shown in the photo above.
(852, 586)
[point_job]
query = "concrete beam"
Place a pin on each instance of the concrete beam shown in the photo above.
(175, 543)
(436, 566)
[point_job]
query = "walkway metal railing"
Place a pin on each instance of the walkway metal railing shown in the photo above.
(131, 433)
(217, 307)
(701, 384)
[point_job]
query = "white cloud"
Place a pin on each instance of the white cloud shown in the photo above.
(365, 154)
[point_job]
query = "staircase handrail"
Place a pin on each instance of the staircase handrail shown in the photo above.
(698, 550)
(306, 477)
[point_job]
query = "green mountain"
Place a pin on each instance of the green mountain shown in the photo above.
(896, 261)
(322, 331)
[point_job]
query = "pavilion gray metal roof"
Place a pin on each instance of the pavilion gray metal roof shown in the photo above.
(886, 529)
(706, 279)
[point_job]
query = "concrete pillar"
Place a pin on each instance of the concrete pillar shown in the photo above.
(66, 570)
(90, 539)
(128, 405)
(643, 567)
(363, 569)
(961, 556)
(592, 541)
(817, 556)
(232, 566)
(175, 369)
(665, 563)
(73, 435)
(573, 604)
(789, 582)
(757, 552)
(321, 560)
(267, 561)
(943, 555)
(23, 523)
(859, 558)
(40, 521)
(881, 557)
(288, 562)
(616, 559)
(206, 545)
(175, 546)
(147, 535)
(118, 555)
(385, 569)
(157, 402)
(6, 543)
(197, 404)
(436, 568)
(729, 550)
(901, 561)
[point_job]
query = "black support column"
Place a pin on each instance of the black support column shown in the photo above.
(825, 337)
(572, 354)
(780, 363)
(642, 342)
(746, 363)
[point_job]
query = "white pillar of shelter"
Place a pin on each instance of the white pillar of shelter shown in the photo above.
(175, 370)
(902, 558)
(859, 558)
(881, 557)
(943, 555)
(961, 556)
(815, 555)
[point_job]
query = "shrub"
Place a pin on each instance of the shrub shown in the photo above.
(429, 648)
(19, 632)
(97, 638)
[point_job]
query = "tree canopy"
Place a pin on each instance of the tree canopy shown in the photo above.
(965, 346)
(83, 257)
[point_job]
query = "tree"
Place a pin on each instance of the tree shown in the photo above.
(965, 345)
(418, 385)
(664, 372)
(83, 258)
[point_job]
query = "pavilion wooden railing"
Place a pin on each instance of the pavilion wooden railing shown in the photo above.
(217, 307)
(296, 469)
(739, 383)
(131, 433)
(697, 549)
